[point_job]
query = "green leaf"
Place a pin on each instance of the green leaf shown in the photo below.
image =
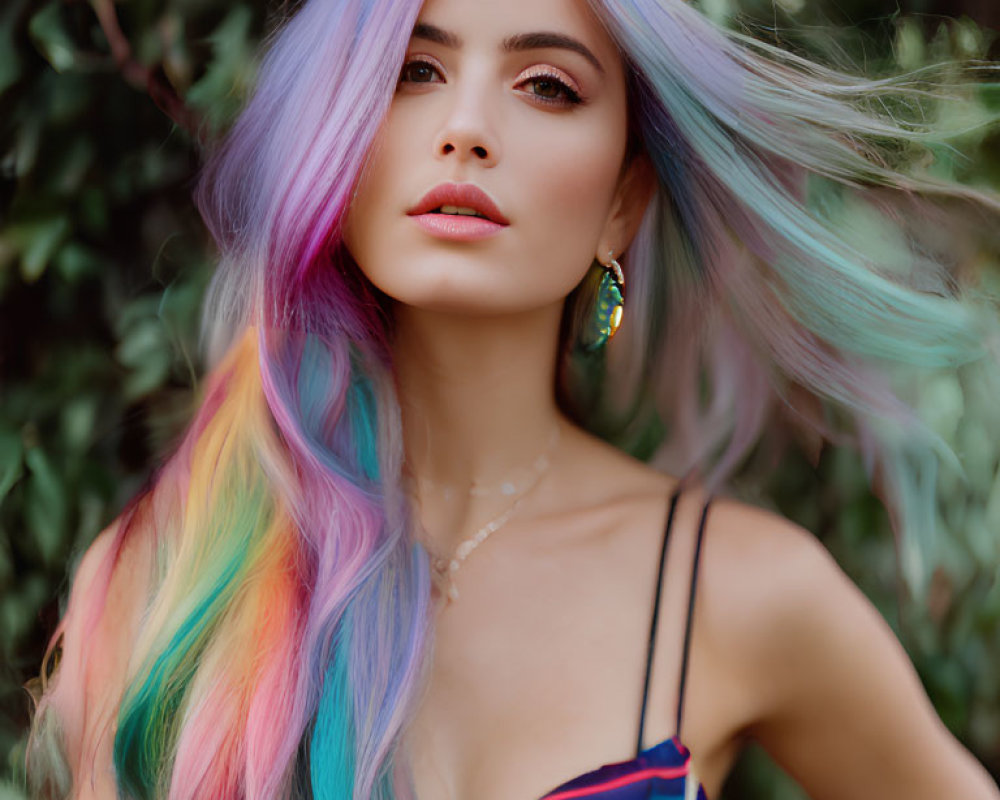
(40, 240)
(6, 564)
(989, 95)
(29, 137)
(911, 47)
(78, 419)
(718, 10)
(76, 261)
(11, 460)
(10, 61)
(69, 167)
(19, 610)
(218, 93)
(146, 352)
(51, 39)
(45, 505)
(142, 339)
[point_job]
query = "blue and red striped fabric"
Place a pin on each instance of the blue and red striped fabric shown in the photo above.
(661, 772)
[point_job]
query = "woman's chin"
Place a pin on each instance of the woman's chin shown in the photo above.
(458, 304)
(461, 296)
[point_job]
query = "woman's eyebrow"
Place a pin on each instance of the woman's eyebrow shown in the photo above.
(539, 40)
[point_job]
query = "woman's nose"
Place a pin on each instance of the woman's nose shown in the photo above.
(477, 151)
(467, 134)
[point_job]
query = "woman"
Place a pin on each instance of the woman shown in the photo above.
(398, 441)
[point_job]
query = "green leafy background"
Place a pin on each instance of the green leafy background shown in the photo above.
(103, 262)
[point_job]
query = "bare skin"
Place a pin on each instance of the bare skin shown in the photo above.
(537, 673)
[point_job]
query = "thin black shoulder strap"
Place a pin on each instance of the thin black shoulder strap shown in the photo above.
(656, 615)
(690, 616)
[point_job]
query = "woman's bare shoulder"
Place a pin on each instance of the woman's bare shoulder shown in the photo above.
(758, 569)
(763, 556)
(831, 684)
(773, 593)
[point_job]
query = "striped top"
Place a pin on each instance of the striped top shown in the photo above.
(663, 771)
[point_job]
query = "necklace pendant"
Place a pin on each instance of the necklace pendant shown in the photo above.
(445, 569)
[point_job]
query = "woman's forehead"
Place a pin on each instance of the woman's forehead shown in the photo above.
(481, 20)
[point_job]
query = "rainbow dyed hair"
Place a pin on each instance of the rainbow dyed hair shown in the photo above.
(284, 628)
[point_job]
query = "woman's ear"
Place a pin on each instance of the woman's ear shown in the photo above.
(635, 190)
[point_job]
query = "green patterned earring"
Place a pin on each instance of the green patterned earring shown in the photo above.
(607, 316)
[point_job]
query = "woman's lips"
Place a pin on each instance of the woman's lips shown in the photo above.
(457, 228)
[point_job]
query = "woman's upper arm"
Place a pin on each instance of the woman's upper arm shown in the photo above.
(845, 712)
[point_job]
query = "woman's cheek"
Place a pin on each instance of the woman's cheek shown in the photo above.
(579, 187)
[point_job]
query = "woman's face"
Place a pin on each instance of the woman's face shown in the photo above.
(524, 100)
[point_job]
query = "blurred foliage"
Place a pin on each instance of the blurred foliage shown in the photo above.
(103, 261)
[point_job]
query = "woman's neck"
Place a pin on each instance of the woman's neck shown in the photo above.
(477, 395)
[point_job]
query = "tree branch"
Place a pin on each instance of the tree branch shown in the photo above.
(141, 76)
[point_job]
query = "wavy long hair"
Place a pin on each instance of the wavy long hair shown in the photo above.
(285, 633)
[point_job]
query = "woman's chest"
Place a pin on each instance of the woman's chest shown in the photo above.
(535, 681)
(512, 700)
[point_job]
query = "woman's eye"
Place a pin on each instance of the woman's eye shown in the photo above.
(550, 89)
(545, 88)
(418, 72)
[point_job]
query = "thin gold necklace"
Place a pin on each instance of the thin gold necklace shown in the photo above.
(508, 486)
(445, 568)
